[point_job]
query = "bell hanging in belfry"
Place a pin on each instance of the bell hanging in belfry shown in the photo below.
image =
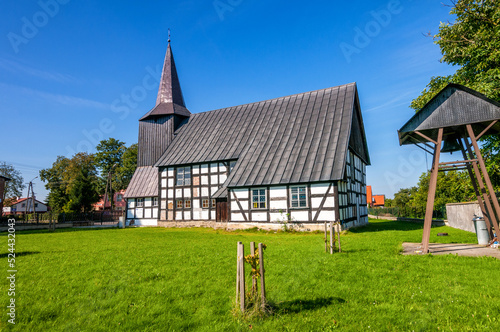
(450, 145)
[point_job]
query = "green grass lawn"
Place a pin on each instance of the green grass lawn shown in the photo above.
(157, 279)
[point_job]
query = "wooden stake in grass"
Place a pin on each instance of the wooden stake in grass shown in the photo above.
(262, 280)
(254, 278)
(238, 257)
(326, 238)
(332, 237)
(241, 257)
(338, 228)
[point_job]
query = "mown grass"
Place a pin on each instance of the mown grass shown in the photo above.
(155, 279)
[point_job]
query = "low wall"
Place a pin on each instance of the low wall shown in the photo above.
(25, 227)
(460, 215)
(306, 227)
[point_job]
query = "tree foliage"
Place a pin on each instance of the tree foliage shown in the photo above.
(72, 183)
(127, 167)
(15, 186)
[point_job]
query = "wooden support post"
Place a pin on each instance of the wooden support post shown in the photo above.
(262, 278)
(478, 186)
(480, 159)
(238, 254)
(326, 238)
(432, 193)
(242, 276)
(332, 236)
(338, 235)
(254, 279)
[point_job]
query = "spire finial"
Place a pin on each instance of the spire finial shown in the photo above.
(169, 35)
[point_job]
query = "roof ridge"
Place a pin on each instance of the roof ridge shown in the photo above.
(277, 98)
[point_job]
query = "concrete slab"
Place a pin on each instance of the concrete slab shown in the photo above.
(460, 249)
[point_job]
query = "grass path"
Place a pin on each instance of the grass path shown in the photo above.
(155, 279)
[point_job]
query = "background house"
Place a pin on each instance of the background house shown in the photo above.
(118, 202)
(25, 204)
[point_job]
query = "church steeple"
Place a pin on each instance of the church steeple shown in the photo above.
(169, 100)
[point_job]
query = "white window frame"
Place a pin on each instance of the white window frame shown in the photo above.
(155, 201)
(259, 201)
(181, 179)
(298, 199)
(140, 202)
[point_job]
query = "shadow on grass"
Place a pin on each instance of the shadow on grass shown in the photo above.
(299, 305)
(387, 225)
(22, 253)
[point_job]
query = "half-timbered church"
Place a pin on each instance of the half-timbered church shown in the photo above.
(300, 158)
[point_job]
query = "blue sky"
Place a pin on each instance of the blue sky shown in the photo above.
(74, 72)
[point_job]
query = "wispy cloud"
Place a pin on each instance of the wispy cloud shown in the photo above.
(401, 99)
(18, 68)
(59, 98)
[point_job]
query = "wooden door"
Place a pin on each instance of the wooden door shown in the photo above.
(221, 210)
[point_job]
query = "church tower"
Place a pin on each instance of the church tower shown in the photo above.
(157, 127)
(156, 132)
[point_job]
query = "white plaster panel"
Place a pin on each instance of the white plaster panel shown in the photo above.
(277, 192)
(204, 214)
(196, 203)
(316, 202)
(170, 193)
(164, 172)
(178, 193)
(222, 167)
(147, 202)
(234, 206)
(278, 205)
(204, 192)
(170, 171)
(325, 215)
(214, 168)
(213, 190)
(259, 216)
(299, 215)
(178, 215)
(204, 179)
(319, 188)
(196, 169)
(131, 203)
(237, 217)
(130, 214)
(155, 213)
(240, 193)
(163, 183)
(277, 217)
(212, 215)
(147, 213)
(146, 222)
(214, 179)
(187, 192)
(139, 213)
(329, 202)
(187, 215)
(204, 169)
(164, 193)
(196, 215)
(170, 183)
(223, 178)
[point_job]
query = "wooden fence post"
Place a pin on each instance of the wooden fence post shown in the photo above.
(262, 278)
(241, 257)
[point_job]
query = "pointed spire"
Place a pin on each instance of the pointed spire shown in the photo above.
(169, 99)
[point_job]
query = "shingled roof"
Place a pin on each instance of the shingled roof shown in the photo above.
(295, 139)
(144, 183)
(454, 106)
